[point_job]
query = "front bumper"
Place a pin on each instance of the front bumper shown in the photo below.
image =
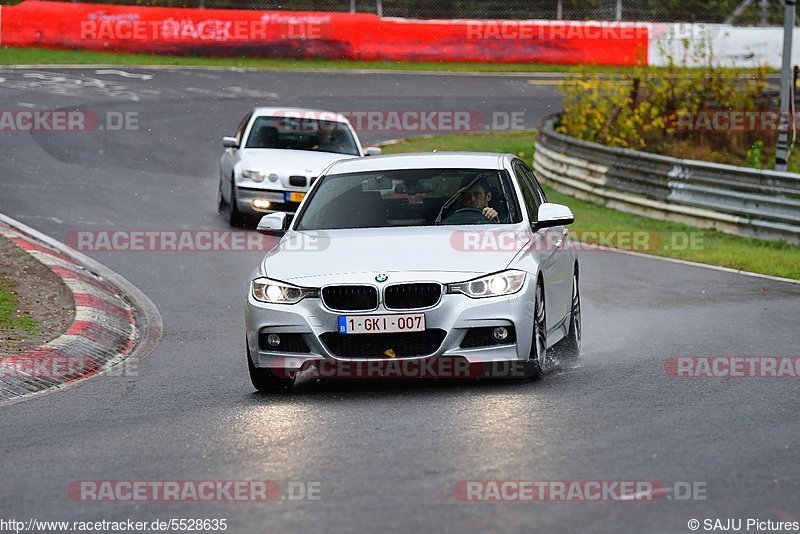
(277, 199)
(455, 314)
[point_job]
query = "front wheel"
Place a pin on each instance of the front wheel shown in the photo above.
(539, 362)
(234, 216)
(264, 379)
(220, 199)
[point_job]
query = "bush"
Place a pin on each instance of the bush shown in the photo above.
(642, 110)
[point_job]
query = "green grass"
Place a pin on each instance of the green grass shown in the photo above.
(8, 311)
(43, 56)
(514, 142)
(674, 240)
(671, 240)
(35, 56)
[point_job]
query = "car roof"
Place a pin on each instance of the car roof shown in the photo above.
(421, 160)
(299, 112)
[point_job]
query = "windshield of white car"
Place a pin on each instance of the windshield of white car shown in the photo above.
(289, 133)
(412, 197)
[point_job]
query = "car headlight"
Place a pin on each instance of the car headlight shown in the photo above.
(494, 285)
(256, 176)
(274, 292)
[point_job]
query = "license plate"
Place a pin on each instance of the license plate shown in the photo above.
(294, 196)
(381, 324)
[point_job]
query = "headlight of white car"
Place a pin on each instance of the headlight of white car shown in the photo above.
(256, 176)
(274, 292)
(494, 285)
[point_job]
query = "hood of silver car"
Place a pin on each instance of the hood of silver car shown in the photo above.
(314, 258)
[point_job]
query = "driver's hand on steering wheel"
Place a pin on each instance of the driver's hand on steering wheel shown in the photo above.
(491, 214)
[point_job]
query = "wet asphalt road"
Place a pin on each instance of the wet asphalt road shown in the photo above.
(386, 455)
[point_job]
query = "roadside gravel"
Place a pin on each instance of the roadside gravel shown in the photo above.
(44, 306)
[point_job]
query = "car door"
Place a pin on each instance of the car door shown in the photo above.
(540, 244)
(560, 259)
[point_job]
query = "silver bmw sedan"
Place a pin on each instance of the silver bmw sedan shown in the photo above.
(395, 262)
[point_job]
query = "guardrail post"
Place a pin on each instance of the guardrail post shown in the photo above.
(787, 121)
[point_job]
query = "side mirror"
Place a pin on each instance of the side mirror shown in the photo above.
(230, 142)
(274, 224)
(372, 151)
(553, 215)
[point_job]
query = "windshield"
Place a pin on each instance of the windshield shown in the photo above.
(291, 133)
(414, 197)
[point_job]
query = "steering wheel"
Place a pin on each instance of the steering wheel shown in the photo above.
(467, 216)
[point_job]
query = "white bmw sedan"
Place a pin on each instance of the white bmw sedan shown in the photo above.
(275, 155)
(413, 258)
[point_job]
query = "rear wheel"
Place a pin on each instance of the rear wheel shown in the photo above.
(265, 380)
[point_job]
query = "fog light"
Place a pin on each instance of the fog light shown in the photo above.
(500, 333)
(273, 340)
(261, 204)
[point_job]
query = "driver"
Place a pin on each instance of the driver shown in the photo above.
(330, 141)
(478, 196)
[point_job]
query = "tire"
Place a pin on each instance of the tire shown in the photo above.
(539, 360)
(220, 199)
(265, 381)
(570, 346)
(235, 217)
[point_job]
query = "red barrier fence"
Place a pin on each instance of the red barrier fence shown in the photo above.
(293, 34)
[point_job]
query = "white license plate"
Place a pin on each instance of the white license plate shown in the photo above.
(381, 324)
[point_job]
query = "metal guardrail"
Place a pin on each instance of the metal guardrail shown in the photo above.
(735, 200)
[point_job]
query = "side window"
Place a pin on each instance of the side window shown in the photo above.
(528, 193)
(534, 183)
(507, 198)
(242, 126)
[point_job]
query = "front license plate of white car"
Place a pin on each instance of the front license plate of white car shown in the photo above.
(381, 324)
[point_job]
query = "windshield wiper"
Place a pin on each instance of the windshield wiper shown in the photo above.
(449, 202)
